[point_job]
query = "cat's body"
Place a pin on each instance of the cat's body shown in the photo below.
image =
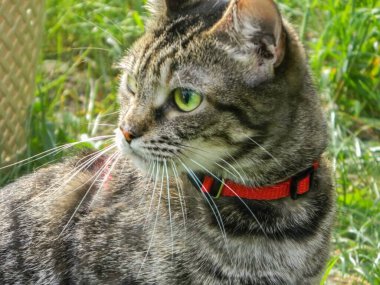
(108, 244)
(259, 123)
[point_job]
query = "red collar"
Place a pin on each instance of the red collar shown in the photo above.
(293, 187)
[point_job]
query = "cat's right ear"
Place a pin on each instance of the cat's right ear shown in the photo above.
(252, 32)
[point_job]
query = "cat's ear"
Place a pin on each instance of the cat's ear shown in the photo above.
(255, 31)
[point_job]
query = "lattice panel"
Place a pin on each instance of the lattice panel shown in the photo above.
(20, 33)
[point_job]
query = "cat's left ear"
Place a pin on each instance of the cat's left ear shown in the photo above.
(255, 31)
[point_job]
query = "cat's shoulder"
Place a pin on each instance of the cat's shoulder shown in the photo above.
(63, 184)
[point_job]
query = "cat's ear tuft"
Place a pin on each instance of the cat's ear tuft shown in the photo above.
(156, 7)
(255, 29)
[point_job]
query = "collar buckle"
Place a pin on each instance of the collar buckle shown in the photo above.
(309, 172)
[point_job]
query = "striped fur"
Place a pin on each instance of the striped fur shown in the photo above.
(259, 123)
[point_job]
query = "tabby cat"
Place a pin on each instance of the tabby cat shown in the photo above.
(217, 175)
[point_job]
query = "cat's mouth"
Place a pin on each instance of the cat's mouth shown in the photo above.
(139, 157)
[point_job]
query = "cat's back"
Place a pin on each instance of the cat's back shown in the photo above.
(49, 216)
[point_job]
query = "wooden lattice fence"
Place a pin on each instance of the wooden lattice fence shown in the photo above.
(20, 34)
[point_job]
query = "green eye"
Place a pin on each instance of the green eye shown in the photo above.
(187, 100)
(131, 84)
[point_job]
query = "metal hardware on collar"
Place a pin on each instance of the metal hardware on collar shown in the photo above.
(216, 187)
(297, 178)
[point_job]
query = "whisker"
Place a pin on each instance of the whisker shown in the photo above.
(155, 223)
(116, 156)
(265, 150)
(102, 125)
(214, 209)
(225, 169)
(238, 176)
(169, 207)
(181, 195)
(241, 200)
(73, 190)
(87, 192)
(109, 114)
(120, 178)
(53, 151)
(238, 164)
(71, 175)
(153, 193)
(152, 166)
(207, 197)
(46, 164)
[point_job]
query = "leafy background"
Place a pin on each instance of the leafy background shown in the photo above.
(77, 84)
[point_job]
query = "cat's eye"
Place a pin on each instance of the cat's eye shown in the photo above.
(187, 100)
(131, 85)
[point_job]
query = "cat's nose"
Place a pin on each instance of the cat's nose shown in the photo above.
(129, 135)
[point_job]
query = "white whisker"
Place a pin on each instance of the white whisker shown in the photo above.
(213, 207)
(87, 192)
(109, 114)
(152, 166)
(238, 164)
(71, 175)
(265, 150)
(225, 169)
(153, 194)
(237, 175)
(181, 195)
(116, 156)
(169, 207)
(241, 200)
(53, 151)
(155, 223)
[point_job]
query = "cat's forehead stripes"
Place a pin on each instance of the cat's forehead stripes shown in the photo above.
(175, 47)
(156, 42)
(164, 44)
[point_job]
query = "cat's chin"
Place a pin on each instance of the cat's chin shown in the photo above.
(139, 163)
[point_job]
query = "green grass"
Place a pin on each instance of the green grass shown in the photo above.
(77, 85)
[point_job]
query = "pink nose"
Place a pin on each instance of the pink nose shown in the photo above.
(129, 136)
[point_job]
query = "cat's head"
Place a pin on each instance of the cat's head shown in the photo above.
(217, 86)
